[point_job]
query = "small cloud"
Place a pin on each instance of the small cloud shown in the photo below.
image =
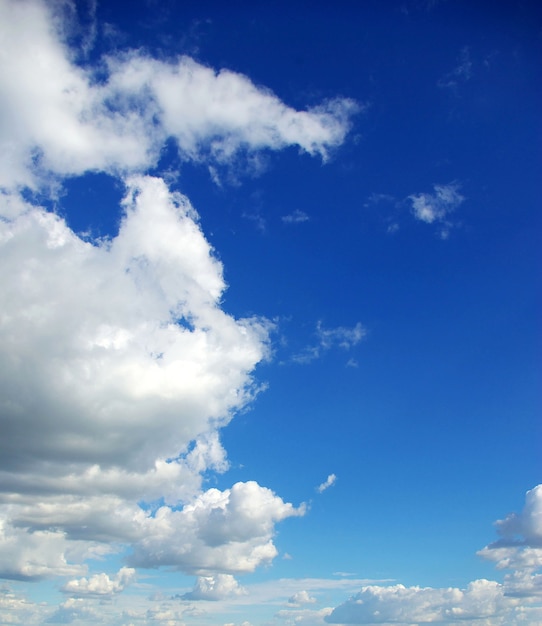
(296, 217)
(100, 585)
(339, 337)
(461, 73)
(434, 208)
(301, 597)
(330, 480)
(378, 198)
(217, 587)
(352, 363)
(258, 221)
(287, 557)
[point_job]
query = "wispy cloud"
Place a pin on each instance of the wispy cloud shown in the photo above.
(330, 480)
(297, 217)
(435, 208)
(327, 338)
(462, 72)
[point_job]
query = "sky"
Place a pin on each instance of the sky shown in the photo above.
(270, 350)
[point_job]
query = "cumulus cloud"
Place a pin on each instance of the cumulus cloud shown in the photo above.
(524, 528)
(407, 605)
(301, 597)
(329, 481)
(214, 588)
(434, 208)
(515, 600)
(118, 365)
(100, 585)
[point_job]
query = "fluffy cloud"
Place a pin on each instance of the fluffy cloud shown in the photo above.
(515, 600)
(526, 527)
(118, 365)
(228, 531)
(435, 207)
(92, 335)
(214, 588)
(117, 368)
(408, 605)
(301, 597)
(100, 585)
(57, 116)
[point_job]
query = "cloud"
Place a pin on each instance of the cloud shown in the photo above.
(217, 587)
(297, 217)
(62, 118)
(74, 609)
(526, 527)
(221, 531)
(515, 600)
(328, 338)
(330, 480)
(405, 605)
(434, 208)
(100, 585)
(301, 597)
(461, 73)
(118, 365)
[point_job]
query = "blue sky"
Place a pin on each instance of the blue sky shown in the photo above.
(270, 349)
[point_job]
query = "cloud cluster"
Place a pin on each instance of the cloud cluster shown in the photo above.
(118, 365)
(515, 600)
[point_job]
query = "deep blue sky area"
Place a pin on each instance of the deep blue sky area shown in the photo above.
(397, 270)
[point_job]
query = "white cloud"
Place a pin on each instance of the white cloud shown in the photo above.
(297, 217)
(406, 605)
(220, 531)
(435, 207)
(515, 600)
(216, 587)
(340, 337)
(330, 480)
(74, 609)
(100, 585)
(118, 366)
(525, 527)
(304, 617)
(58, 117)
(90, 334)
(301, 597)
